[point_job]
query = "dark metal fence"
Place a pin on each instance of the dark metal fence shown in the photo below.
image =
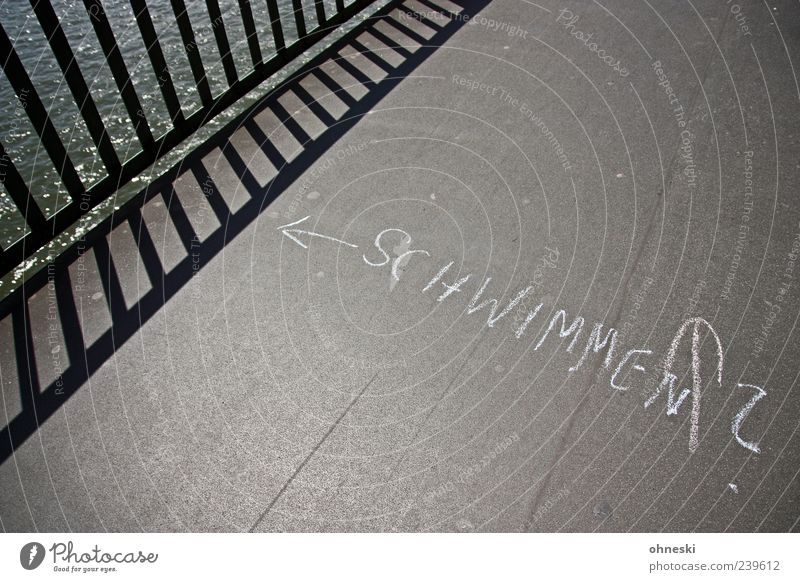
(83, 198)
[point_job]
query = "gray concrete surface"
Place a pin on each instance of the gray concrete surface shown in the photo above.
(240, 381)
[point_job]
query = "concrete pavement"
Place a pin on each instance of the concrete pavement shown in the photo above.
(220, 362)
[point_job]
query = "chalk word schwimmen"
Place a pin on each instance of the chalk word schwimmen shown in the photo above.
(600, 338)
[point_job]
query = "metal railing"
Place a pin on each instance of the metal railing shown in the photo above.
(42, 229)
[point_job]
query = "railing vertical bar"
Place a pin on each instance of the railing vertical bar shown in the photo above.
(20, 193)
(275, 21)
(116, 63)
(320, 8)
(158, 61)
(26, 92)
(77, 84)
(192, 52)
(222, 41)
(250, 31)
(339, 6)
(299, 19)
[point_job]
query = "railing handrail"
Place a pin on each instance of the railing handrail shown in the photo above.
(44, 229)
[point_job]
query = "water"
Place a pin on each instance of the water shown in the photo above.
(22, 142)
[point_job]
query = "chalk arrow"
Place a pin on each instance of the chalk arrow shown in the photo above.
(290, 232)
